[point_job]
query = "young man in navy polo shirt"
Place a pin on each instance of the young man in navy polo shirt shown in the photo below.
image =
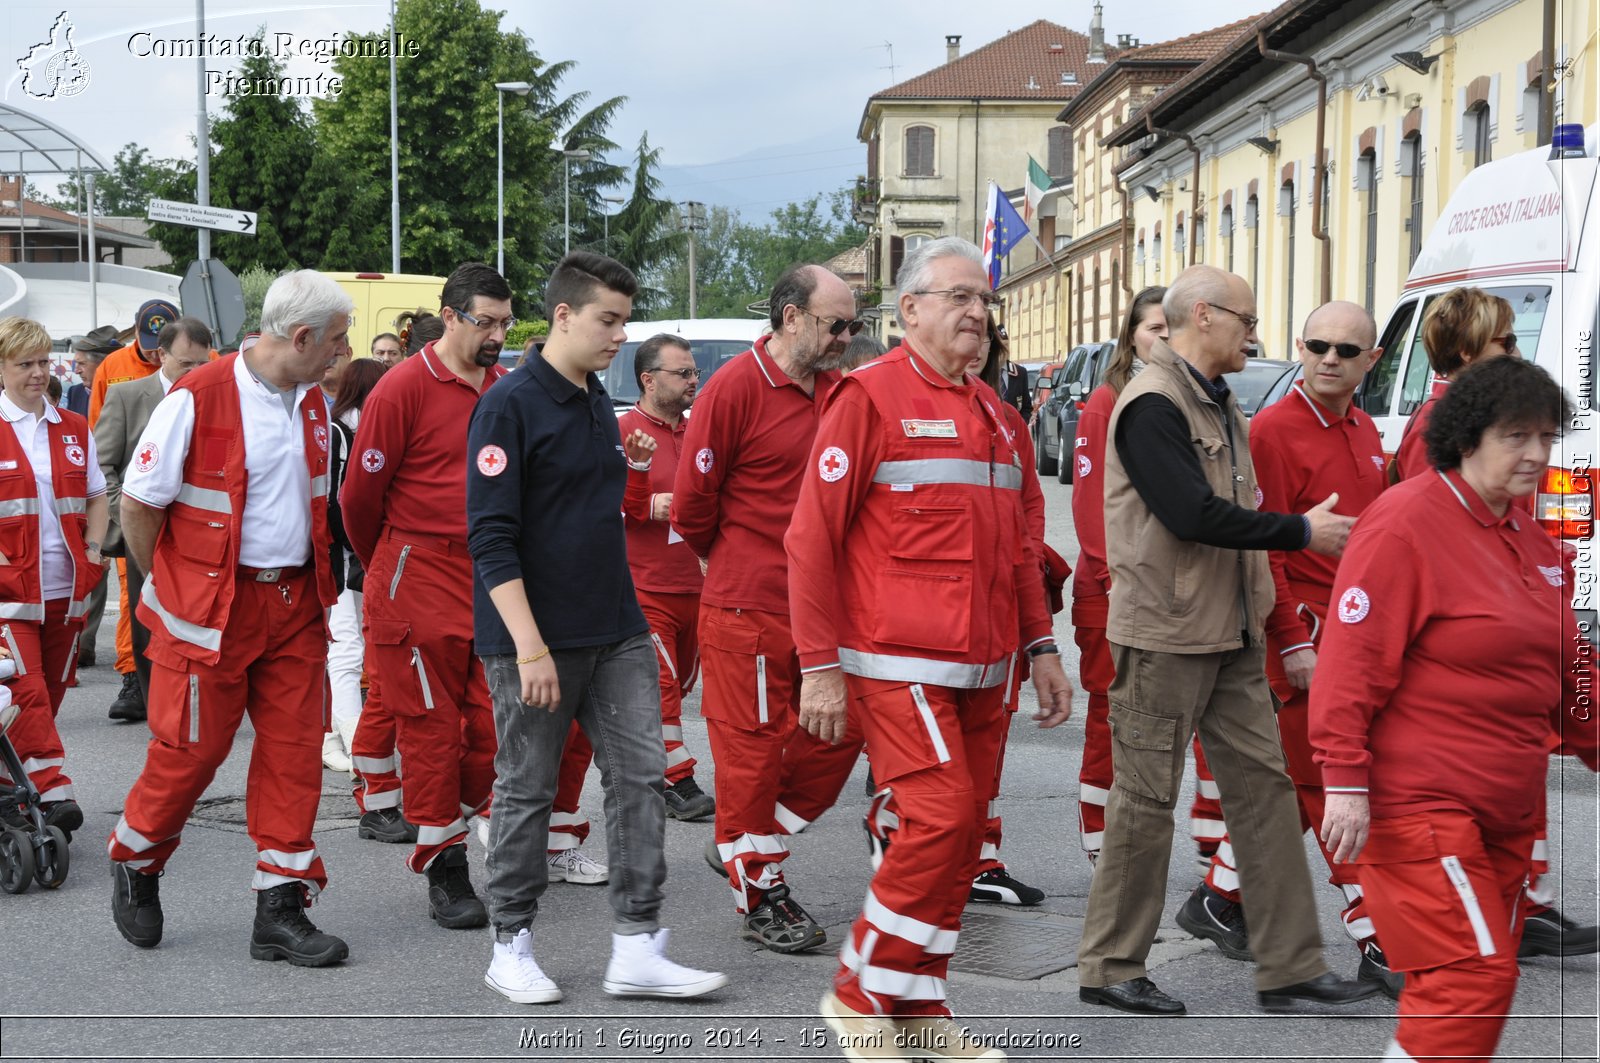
(562, 637)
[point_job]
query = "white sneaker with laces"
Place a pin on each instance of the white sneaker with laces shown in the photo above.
(574, 865)
(515, 974)
(639, 968)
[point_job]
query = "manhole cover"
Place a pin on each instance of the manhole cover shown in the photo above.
(1016, 946)
(336, 809)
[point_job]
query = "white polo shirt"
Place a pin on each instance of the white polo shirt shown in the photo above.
(55, 563)
(275, 529)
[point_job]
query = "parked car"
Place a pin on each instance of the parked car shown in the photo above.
(1042, 381)
(714, 342)
(1262, 382)
(1057, 425)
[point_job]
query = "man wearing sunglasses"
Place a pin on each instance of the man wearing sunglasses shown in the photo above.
(745, 454)
(1312, 444)
(404, 504)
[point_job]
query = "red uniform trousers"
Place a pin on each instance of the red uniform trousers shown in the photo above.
(1443, 892)
(1223, 877)
(674, 621)
(1095, 673)
(372, 759)
(273, 666)
(568, 826)
(989, 851)
(419, 627)
(773, 778)
(934, 749)
(47, 659)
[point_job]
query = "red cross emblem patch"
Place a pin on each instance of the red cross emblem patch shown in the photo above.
(1354, 605)
(833, 464)
(75, 454)
(372, 459)
(491, 460)
(146, 458)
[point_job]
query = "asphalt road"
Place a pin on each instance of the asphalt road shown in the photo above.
(72, 988)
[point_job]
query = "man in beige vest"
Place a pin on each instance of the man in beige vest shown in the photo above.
(1190, 591)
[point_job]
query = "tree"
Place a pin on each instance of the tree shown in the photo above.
(645, 234)
(125, 191)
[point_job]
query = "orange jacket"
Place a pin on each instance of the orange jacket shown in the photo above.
(124, 363)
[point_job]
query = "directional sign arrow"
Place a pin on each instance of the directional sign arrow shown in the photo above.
(198, 217)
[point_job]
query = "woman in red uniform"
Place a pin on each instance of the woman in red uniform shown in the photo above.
(1460, 327)
(53, 515)
(1091, 590)
(1438, 700)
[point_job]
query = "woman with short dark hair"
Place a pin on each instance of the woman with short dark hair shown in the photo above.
(1441, 690)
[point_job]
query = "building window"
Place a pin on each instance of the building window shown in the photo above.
(919, 151)
(916, 240)
(1413, 151)
(1155, 252)
(1116, 295)
(1252, 224)
(1099, 330)
(1478, 126)
(1367, 178)
(1079, 317)
(1177, 243)
(1227, 235)
(1059, 142)
(1287, 208)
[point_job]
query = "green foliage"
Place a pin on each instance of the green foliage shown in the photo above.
(255, 281)
(518, 337)
(134, 179)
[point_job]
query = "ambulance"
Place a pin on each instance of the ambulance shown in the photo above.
(380, 298)
(1525, 228)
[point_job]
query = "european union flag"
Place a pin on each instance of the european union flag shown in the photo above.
(1003, 229)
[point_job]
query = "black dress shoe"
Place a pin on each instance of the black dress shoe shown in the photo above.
(1324, 989)
(1138, 995)
(1547, 932)
(1375, 968)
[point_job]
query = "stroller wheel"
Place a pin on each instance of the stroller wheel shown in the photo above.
(16, 862)
(52, 859)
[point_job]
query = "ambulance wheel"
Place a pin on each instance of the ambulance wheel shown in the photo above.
(53, 859)
(16, 862)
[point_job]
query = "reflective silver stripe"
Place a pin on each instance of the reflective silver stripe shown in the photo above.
(923, 670)
(22, 611)
(1469, 903)
(194, 708)
(940, 750)
(399, 567)
(666, 658)
(16, 507)
(77, 607)
(422, 677)
(207, 638)
(72, 505)
(761, 687)
(72, 658)
(440, 835)
(319, 486)
(373, 765)
(949, 471)
(672, 732)
(11, 644)
(204, 498)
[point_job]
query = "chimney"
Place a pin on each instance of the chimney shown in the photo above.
(952, 47)
(1097, 36)
(11, 188)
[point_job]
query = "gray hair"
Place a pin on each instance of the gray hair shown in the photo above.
(303, 297)
(913, 275)
(1197, 284)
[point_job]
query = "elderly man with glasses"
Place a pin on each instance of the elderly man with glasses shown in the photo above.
(745, 455)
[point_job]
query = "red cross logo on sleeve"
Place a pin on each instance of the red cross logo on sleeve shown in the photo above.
(491, 460)
(833, 464)
(145, 459)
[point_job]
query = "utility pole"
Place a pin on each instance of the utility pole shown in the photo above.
(694, 220)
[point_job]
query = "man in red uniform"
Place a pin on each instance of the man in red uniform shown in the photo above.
(226, 507)
(749, 439)
(405, 512)
(1312, 444)
(666, 572)
(917, 623)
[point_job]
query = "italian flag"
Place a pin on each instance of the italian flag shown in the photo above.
(1037, 184)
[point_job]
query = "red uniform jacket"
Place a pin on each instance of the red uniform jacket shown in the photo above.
(21, 594)
(923, 480)
(1091, 583)
(189, 595)
(1451, 662)
(658, 566)
(1411, 457)
(746, 446)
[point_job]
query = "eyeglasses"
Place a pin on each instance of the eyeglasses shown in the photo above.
(488, 324)
(838, 325)
(961, 298)
(685, 374)
(1508, 341)
(1247, 320)
(1345, 350)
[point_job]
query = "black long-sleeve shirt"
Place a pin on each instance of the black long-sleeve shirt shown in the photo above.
(1154, 444)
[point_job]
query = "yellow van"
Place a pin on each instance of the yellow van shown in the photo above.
(381, 298)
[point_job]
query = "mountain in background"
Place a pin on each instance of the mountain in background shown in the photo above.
(756, 183)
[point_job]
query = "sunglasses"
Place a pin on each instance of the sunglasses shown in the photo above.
(1508, 341)
(1345, 350)
(839, 324)
(685, 374)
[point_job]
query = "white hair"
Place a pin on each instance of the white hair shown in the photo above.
(913, 275)
(303, 297)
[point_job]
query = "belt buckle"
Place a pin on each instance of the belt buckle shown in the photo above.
(269, 575)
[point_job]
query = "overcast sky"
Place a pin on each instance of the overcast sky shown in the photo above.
(709, 79)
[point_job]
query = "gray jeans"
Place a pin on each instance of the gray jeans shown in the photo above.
(612, 692)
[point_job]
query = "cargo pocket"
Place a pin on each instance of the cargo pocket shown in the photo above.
(400, 666)
(925, 589)
(733, 688)
(176, 701)
(1142, 752)
(921, 742)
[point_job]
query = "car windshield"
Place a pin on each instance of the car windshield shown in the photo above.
(710, 355)
(1251, 384)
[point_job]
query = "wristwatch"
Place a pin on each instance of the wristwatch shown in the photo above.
(1044, 648)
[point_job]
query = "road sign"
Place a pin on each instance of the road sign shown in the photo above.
(211, 292)
(198, 217)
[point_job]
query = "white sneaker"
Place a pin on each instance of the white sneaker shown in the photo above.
(639, 968)
(482, 824)
(574, 865)
(334, 758)
(515, 974)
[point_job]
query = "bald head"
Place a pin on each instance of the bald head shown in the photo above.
(1211, 319)
(1199, 284)
(1348, 319)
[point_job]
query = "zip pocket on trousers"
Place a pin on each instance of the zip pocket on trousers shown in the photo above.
(422, 677)
(72, 658)
(11, 644)
(761, 688)
(399, 567)
(194, 709)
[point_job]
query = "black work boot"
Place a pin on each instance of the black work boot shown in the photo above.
(386, 825)
(451, 901)
(136, 905)
(282, 931)
(129, 705)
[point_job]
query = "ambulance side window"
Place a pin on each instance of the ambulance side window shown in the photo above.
(1414, 389)
(1377, 392)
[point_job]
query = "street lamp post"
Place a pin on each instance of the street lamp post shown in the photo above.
(693, 219)
(581, 155)
(617, 200)
(521, 88)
